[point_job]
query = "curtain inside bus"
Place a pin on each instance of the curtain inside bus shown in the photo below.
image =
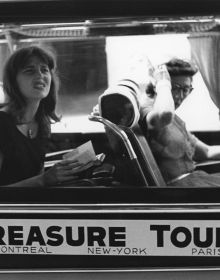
(205, 49)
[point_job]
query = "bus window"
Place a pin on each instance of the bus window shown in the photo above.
(93, 53)
(119, 219)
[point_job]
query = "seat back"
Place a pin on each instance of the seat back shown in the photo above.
(128, 168)
(144, 154)
(136, 163)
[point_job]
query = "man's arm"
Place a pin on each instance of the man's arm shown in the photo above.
(162, 111)
(206, 152)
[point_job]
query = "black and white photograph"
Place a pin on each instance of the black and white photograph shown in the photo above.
(109, 139)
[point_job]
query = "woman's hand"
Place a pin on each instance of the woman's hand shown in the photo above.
(63, 171)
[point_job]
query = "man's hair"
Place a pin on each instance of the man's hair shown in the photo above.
(179, 67)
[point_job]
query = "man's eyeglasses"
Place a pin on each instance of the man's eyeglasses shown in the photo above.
(184, 89)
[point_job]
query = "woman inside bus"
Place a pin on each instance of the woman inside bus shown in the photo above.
(30, 85)
(176, 149)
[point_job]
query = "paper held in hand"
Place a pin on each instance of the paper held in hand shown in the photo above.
(83, 154)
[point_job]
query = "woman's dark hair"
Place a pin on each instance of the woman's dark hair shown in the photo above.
(179, 67)
(16, 102)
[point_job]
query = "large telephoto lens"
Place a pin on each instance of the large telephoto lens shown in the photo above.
(119, 103)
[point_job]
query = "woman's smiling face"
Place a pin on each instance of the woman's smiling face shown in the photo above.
(34, 79)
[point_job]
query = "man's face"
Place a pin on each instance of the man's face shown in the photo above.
(181, 88)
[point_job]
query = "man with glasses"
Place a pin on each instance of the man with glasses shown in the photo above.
(176, 149)
(181, 73)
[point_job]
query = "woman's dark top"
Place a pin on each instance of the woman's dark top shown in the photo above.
(22, 157)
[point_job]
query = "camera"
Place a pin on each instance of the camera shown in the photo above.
(119, 103)
(122, 103)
